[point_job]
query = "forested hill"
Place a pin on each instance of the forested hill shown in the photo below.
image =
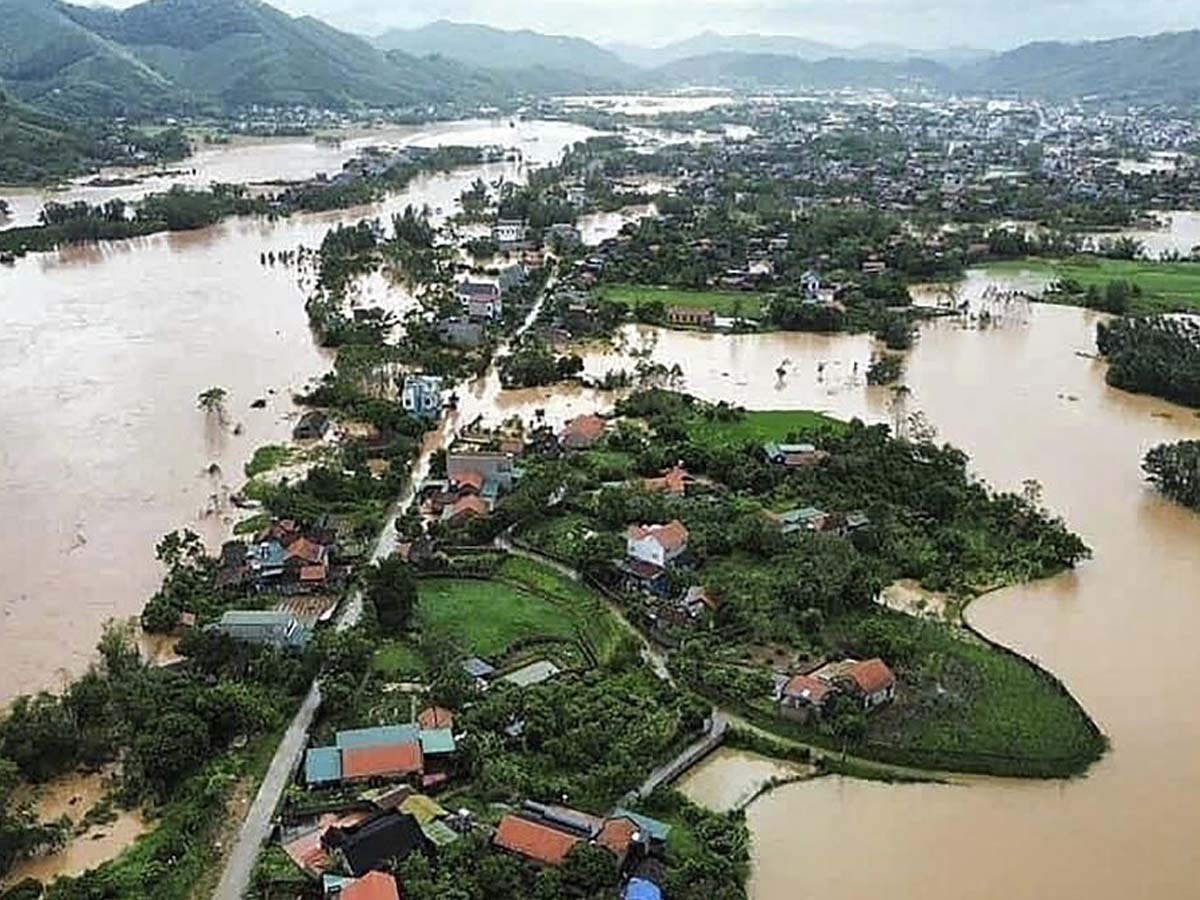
(1164, 68)
(483, 47)
(185, 56)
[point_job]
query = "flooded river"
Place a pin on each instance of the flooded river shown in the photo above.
(1120, 631)
(102, 450)
(104, 350)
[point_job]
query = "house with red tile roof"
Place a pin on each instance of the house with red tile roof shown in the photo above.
(804, 696)
(872, 681)
(435, 717)
(372, 886)
(465, 508)
(582, 432)
(386, 761)
(656, 544)
(534, 841)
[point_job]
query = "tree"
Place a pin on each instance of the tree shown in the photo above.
(392, 591)
(589, 869)
(169, 750)
(212, 401)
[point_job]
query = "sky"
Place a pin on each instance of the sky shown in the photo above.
(920, 24)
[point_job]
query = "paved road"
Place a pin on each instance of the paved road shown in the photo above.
(256, 828)
(675, 768)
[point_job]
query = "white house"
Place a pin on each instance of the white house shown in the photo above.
(509, 231)
(656, 544)
(480, 300)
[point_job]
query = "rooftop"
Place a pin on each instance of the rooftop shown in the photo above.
(534, 841)
(379, 736)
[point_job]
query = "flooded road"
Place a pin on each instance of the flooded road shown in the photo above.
(102, 448)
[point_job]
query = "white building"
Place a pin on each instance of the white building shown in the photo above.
(422, 396)
(656, 544)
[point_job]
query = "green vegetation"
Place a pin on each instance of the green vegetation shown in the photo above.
(1175, 470)
(723, 303)
(36, 148)
(1156, 355)
(792, 599)
(1162, 287)
(739, 428)
(267, 458)
(487, 616)
(398, 659)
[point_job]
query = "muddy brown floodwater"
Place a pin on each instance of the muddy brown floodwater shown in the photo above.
(103, 352)
(102, 450)
(1120, 631)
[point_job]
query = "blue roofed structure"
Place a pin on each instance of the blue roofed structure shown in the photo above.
(323, 765)
(437, 740)
(382, 736)
(652, 828)
(641, 889)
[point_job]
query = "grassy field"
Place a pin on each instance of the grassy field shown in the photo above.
(398, 659)
(961, 706)
(1166, 287)
(489, 616)
(766, 425)
(723, 303)
(588, 611)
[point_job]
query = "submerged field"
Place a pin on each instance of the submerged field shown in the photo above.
(723, 303)
(1165, 287)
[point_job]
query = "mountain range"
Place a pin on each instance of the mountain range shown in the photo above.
(165, 57)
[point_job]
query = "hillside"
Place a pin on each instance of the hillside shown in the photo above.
(179, 56)
(1164, 68)
(36, 147)
(709, 43)
(508, 51)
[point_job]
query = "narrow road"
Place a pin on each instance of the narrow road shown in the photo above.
(674, 769)
(256, 827)
(239, 866)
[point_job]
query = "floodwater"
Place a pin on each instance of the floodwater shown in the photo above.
(1180, 234)
(1119, 631)
(256, 161)
(72, 797)
(728, 779)
(102, 450)
(102, 355)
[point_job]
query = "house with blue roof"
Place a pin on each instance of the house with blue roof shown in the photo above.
(380, 736)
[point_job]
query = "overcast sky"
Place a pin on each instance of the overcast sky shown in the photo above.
(996, 24)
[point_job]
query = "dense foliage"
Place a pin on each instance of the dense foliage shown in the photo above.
(1157, 355)
(1175, 470)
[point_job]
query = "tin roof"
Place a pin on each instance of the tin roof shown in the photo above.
(437, 740)
(323, 765)
(379, 736)
(534, 841)
(382, 762)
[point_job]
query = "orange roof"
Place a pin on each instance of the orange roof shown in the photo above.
(432, 717)
(306, 851)
(309, 551)
(380, 762)
(534, 841)
(807, 688)
(617, 835)
(372, 886)
(671, 536)
(469, 507)
(586, 428)
(312, 573)
(470, 479)
(871, 675)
